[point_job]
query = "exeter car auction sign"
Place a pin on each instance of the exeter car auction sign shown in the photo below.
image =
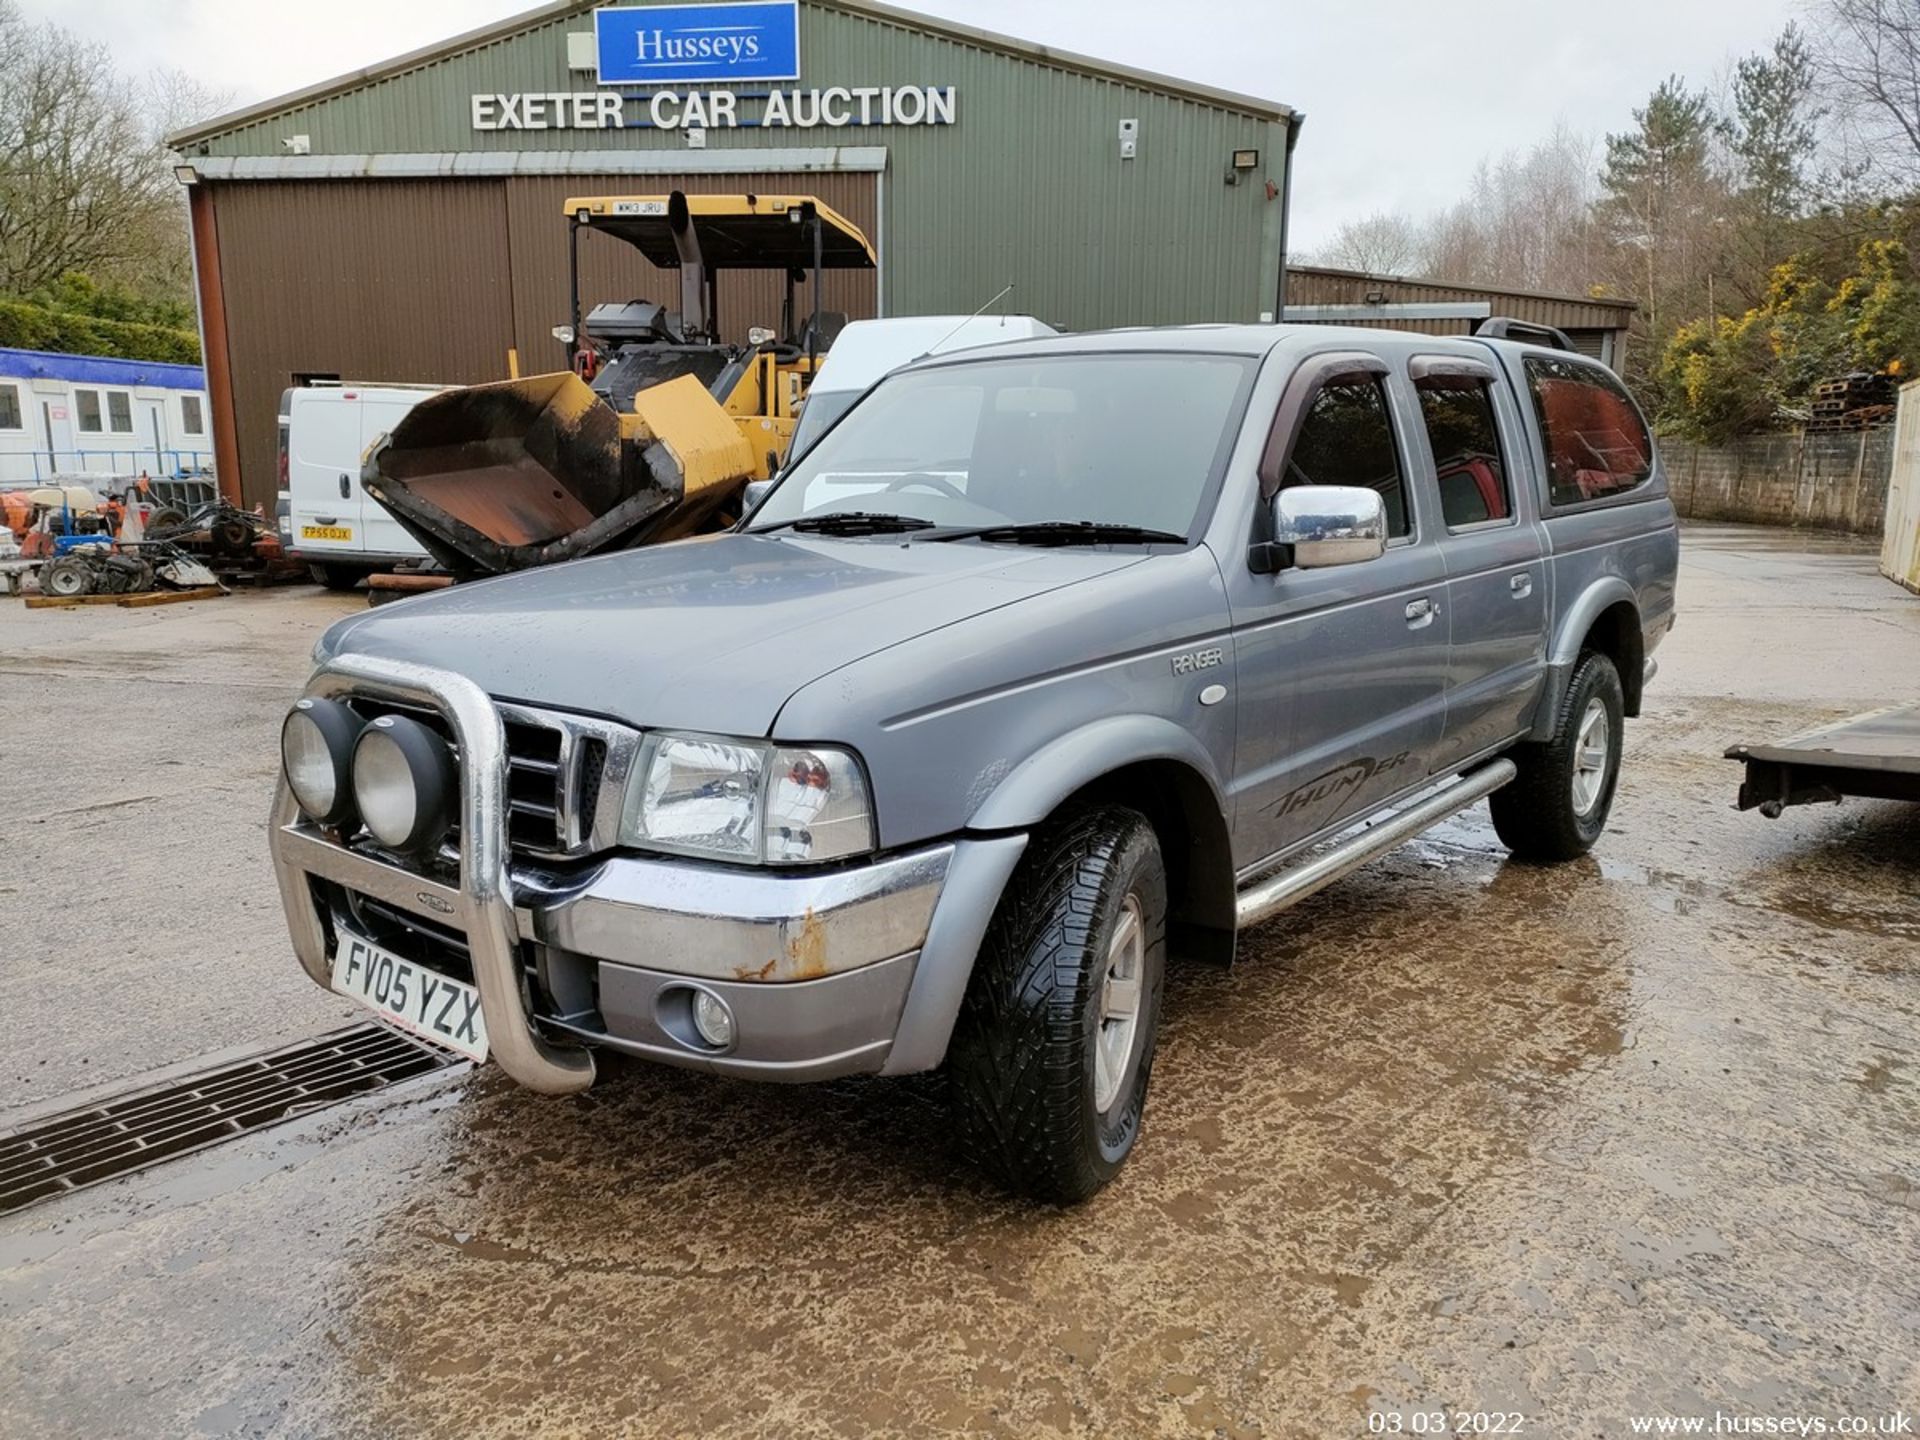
(751, 44)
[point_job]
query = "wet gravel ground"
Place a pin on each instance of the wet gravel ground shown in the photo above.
(1635, 1136)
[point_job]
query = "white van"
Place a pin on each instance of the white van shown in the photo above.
(868, 349)
(340, 531)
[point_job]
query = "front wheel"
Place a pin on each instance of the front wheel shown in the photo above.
(68, 577)
(1054, 1042)
(336, 577)
(1556, 807)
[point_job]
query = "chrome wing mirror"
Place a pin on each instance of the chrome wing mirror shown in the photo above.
(1329, 524)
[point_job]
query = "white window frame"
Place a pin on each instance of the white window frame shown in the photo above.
(99, 408)
(107, 412)
(19, 405)
(199, 431)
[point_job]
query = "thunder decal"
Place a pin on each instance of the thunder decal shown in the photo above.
(1335, 787)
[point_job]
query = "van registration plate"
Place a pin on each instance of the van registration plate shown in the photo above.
(326, 532)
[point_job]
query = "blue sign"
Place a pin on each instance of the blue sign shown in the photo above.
(719, 44)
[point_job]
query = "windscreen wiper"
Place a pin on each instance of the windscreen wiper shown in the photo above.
(1065, 532)
(848, 522)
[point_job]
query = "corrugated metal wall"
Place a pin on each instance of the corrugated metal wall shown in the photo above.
(400, 280)
(435, 281)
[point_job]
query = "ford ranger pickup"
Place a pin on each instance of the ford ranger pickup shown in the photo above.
(1048, 663)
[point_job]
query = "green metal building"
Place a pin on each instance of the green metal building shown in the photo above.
(406, 223)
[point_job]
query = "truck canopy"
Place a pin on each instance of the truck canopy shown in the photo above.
(736, 232)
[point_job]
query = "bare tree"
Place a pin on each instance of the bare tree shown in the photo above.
(1381, 244)
(1868, 57)
(1526, 221)
(83, 180)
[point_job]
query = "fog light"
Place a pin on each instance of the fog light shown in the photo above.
(405, 784)
(712, 1019)
(316, 751)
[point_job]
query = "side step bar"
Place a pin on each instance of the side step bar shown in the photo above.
(1267, 898)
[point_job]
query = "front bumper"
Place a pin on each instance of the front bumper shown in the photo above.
(847, 971)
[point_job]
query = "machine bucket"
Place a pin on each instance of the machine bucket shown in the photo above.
(501, 477)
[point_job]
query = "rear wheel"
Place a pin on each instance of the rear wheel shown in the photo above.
(336, 577)
(1556, 807)
(1054, 1043)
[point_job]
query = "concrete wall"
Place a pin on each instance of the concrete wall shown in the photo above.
(1831, 481)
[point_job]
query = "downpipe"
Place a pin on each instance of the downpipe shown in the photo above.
(1267, 898)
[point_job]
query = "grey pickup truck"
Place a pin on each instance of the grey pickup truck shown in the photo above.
(1047, 662)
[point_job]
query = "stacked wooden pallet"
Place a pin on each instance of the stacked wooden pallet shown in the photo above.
(1853, 402)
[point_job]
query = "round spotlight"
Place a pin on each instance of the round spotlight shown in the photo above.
(316, 752)
(405, 783)
(712, 1019)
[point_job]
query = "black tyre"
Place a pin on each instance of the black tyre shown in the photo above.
(336, 577)
(164, 519)
(1556, 807)
(66, 577)
(1054, 1043)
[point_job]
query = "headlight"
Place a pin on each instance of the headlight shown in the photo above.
(316, 751)
(405, 784)
(746, 800)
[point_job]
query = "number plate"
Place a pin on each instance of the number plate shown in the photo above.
(420, 1001)
(326, 532)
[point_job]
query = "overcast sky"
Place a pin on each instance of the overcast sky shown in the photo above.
(1403, 97)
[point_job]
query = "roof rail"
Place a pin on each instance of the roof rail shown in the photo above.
(1503, 327)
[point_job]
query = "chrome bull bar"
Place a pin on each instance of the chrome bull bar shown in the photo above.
(484, 902)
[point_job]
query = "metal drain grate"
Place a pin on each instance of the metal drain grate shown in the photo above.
(130, 1132)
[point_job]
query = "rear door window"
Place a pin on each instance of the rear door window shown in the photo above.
(1597, 445)
(1467, 458)
(1347, 439)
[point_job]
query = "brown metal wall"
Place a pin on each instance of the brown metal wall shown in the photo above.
(611, 270)
(392, 280)
(1307, 285)
(436, 280)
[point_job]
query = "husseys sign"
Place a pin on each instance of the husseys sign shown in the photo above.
(698, 44)
(716, 48)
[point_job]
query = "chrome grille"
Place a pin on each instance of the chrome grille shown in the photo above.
(540, 789)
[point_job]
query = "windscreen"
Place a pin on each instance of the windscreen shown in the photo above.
(1131, 439)
(817, 415)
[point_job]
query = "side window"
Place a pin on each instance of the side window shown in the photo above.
(1458, 411)
(119, 412)
(191, 420)
(86, 408)
(1597, 444)
(10, 408)
(1347, 439)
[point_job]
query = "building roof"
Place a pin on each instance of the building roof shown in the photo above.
(866, 9)
(99, 370)
(1461, 288)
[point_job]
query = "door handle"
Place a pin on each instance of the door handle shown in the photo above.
(326, 519)
(1521, 586)
(1420, 613)
(346, 488)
